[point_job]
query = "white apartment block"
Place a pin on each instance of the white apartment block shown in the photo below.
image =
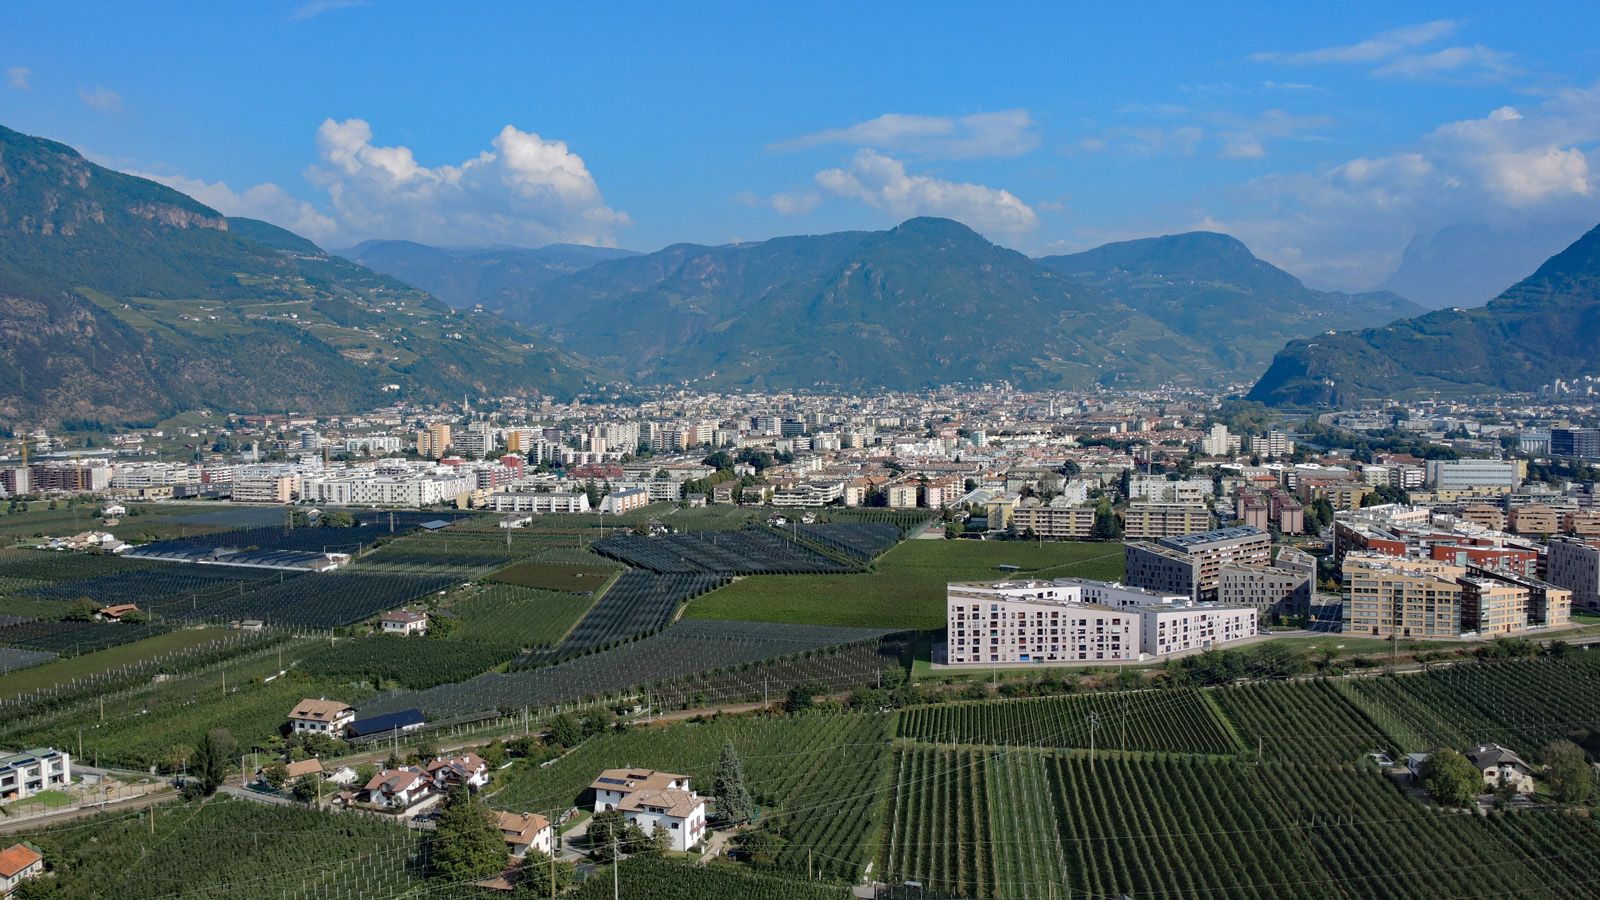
(1473, 475)
(618, 502)
(1196, 626)
(1157, 489)
(27, 773)
(538, 503)
(1011, 622)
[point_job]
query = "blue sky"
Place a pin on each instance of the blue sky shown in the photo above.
(1326, 139)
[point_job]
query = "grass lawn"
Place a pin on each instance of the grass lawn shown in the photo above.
(1585, 618)
(51, 673)
(51, 799)
(906, 588)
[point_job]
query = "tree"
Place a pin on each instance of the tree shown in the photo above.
(212, 756)
(467, 844)
(364, 773)
(276, 775)
(1569, 773)
(81, 610)
(441, 626)
(307, 787)
(1451, 779)
(134, 617)
(762, 846)
(427, 749)
(610, 834)
(728, 791)
(803, 696)
(533, 877)
(1107, 527)
(566, 731)
(596, 721)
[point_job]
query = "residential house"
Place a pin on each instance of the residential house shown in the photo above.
(17, 864)
(1500, 765)
(24, 774)
(527, 831)
(654, 800)
(397, 788)
(469, 771)
(321, 716)
(404, 622)
(115, 613)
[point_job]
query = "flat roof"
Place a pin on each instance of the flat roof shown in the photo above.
(1210, 537)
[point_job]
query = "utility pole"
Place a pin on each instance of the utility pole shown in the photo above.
(616, 865)
(1094, 723)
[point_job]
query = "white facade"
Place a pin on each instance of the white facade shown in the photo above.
(24, 774)
(1473, 474)
(538, 503)
(654, 800)
(329, 717)
(1196, 626)
(1034, 622)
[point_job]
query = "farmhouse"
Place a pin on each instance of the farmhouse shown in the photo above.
(17, 864)
(322, 716)
(654, 800)
(115, 613)
(525, 832)
(404, 622)
(397, 788)
(1497, 764)
(469, 771)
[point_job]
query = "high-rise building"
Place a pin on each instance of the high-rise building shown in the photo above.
(1579, 442)
(433, 441)
(1575, 565)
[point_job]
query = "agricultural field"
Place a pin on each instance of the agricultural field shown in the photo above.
(682, 652)
(820, 778)
(406, 662)
(649, 879)
(74, 638)
(638, 603)
(83, 667)
(906, 586)
(12, 659)
(940, 822)
(520, 617)
(158, 588)
(232, 850)
(1179, 720)
(141, 721)
(862, 541)
(753, 550)
(556, 576)
(1308, 721)
(325, 601)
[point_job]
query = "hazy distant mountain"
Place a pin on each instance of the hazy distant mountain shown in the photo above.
(1467, 265)
(498, 278)
(1211, 288)
(925, 303)
(1545, 327)
(122, 300)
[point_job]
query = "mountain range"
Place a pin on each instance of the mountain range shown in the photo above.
(1542, 328)
(925, 303)
(122, 300)
(492, 278)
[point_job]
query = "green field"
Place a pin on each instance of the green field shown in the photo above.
(50, 673)
(906, 588)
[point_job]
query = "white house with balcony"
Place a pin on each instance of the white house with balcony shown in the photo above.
(27, 773)
(654, 801)
(321, 716)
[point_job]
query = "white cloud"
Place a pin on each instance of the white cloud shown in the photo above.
(1008, 133)
(1450, 59)
(102, 100)
(526, 190)
(883, 183)
(17, 77)
(790, 203)
(1348, 223)
(1396, 53)
(1144, 140)
(267, 202)
(1385, 45)
(318, 7)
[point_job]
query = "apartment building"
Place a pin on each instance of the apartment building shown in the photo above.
(1147, 521)
(433, 441)
(1548, 605)
(1575, 565)
(1194, 626)
(1054, 522)
(1405, 598)
(270, 489)
(1033, 622)
(1490, 606)
(1534, 520)
(1192, 564)
(1266, 589)
(27, 773)
(538, 503)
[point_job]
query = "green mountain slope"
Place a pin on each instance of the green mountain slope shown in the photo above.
(1211, 288)
(926, 303)
(123, 300)
(1545, 327)
(497, 279)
